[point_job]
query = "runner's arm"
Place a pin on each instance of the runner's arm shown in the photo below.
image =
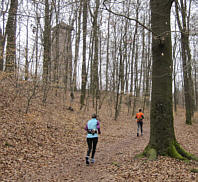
(98, 127)
(86, 127)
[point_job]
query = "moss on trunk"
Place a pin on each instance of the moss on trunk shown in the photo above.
(151, 153)
(162, 136)
(194, 170)
(174, 150)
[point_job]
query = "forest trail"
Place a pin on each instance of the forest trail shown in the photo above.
(110, 154)
(51, 147)
(118, 144)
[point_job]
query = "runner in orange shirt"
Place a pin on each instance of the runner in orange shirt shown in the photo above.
(139, 116)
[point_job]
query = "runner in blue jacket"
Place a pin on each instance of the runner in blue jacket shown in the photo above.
(93, 129)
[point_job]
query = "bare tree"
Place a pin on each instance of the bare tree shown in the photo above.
(2, 33)
(107, 61)
(162, 136)
(95, 80)
(183, 24)
(36, 40)
(27, 50)
(47, 49)
(11, 37)
(1, 50)
(147, 68)
(175, 69)
(84, 74)
(120, 82)
(77, 42)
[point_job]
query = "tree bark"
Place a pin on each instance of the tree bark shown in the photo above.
(95, 61)
(78, 26)
(47, 50)
(1, 50)
(3, 34)
(119, 84)
(47, 41)
(27, 50)
(107, 61)
(11, 37)
(183, 25)
(135, 56)
(162, 136)
(84, 74)
(196, 88)
(56, 61)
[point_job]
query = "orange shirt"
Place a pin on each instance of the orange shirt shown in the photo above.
(139, 116)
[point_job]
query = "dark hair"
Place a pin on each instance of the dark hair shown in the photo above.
(94, 115)
(140, 110)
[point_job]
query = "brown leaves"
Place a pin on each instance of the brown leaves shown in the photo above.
(164, 169)
(49, 144)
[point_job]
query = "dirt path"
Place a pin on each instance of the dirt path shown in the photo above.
(113, 154)
(118, 144)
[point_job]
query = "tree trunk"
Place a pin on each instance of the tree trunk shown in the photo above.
(100, 58)
(1, 50)
(11, 37)
(47, 48)
(2, 36)
(56, 61)
(135, 56)
(107, 61)
(162, 136)
(196, 88)
(121, 82)
(183, 25)
(174, 70)
(78, 26)
(148, 72)
(136, 91)
(95, 61)
(84, 74)
(47, 42)
(27, 50)
(37, 43)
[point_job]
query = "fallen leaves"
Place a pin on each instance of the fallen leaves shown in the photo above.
(49, 144)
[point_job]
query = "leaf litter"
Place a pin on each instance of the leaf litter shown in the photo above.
(49, 144)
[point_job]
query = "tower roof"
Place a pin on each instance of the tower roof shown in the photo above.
(63, 25)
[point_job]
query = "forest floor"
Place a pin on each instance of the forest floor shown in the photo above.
(49, 144)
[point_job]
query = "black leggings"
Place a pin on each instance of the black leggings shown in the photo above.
(140, 125)
(92, 142)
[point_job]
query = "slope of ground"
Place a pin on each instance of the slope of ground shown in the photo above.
(49, 144)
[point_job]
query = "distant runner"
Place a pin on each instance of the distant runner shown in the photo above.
(93, 129)
(139, 116)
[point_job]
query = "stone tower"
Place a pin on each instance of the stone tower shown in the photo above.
(61, 57)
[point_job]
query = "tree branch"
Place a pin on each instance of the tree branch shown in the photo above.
(129, 18)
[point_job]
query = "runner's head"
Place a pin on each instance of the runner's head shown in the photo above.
(94, 115)
(140, 110)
